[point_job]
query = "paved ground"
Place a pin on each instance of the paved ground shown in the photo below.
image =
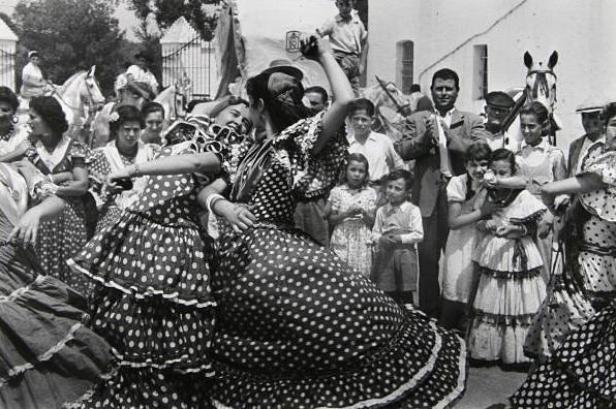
(488, 386)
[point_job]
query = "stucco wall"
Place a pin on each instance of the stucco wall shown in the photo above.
(579, 30)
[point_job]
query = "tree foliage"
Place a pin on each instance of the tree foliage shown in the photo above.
(72, 35)
(167, 11)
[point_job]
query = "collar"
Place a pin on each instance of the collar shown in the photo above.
(598, 140)
(447, 114)
(542, 146)
(371, 137)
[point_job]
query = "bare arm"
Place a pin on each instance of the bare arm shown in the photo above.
(26, 229)
(77, 187)
(579, 184)
(216, 187)
(172, 165)
(416, 140)
(334, 117)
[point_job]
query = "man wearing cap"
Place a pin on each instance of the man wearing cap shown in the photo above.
(140, 77)
(437, 141)
(593, 126)
(33, 83)
(498, 106)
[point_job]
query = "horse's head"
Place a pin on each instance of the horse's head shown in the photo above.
(389, 102)
(541, 81)
(90, 91)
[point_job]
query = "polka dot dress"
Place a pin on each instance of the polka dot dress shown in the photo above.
(152, 301)
(582, 373)
(297, 328)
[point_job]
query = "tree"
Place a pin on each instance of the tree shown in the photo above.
(167, 11)
(72, 35)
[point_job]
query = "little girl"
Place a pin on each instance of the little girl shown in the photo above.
(397, 229)
(466, 197)
(350, 208)
(510, 289)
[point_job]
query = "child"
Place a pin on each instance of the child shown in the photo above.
(509, 288)
(378, 148)
(350, 210)
(466, 197)
(348, 38)
(398, 226)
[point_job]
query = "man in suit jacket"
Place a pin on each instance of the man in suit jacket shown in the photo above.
(437, 141)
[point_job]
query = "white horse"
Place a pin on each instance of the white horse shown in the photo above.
(540, 87)
(80, 97)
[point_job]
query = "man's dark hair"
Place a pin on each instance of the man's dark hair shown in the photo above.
(446, 74)
(361, 104)
(317, 90)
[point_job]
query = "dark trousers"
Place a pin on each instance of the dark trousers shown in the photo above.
(436, 229)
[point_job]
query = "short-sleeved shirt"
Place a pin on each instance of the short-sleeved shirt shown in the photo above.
(345, 36)
(33, 74)
(380, 152)
(542, 163)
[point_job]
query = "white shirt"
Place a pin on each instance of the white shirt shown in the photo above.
(31, 73)
(140, 75)
(17, 138)
(379, 150)
(345, 36)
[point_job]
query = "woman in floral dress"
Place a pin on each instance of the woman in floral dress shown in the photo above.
(295, 327)
(49, 356)
(62, 159)
(123, 150)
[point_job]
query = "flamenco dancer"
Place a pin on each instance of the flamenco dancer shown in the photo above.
(581, 372)
(152, 300)
(295, 327)
(49, 357)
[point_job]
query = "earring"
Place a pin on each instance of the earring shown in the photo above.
(14, 120)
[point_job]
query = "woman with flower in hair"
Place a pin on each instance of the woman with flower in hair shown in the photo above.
(124, 149)
(13, 138)
(62, 160)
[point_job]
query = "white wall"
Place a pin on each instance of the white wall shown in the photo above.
(579, 30)
(7, 63)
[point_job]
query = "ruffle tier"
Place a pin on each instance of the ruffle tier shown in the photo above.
(144, 258)
(506, 256)
(581, 373)
(148, 388)
(154, 332)
(298, 328)
(47, 356)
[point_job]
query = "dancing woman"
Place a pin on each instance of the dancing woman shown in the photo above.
(295, 326)
(49, 357)
(580, 372)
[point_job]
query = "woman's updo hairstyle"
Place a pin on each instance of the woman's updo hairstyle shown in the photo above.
(50, 110)
(608, 113)
(282, 94)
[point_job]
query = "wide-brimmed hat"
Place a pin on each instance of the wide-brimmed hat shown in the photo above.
(32, 53)
(285, 66)
(593, 103)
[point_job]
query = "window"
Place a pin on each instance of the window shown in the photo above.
(480, 68)
(404, 60)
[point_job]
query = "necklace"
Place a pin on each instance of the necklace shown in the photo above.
(7, 136)
(499, 198)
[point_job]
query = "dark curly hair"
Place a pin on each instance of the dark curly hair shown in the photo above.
(50, 110)
(7, 95)
(126, 113)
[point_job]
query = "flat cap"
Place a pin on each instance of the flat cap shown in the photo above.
(499, 99)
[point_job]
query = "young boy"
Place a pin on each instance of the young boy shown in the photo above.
(349, 40)
(378, 148)
(397, 229)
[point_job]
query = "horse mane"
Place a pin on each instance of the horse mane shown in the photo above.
(71, 81)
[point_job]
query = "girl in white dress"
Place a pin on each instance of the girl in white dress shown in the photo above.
(466, 197)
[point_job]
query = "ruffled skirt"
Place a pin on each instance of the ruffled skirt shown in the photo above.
(297, 328)
(509, 292)
(153, 304)
(581, 373)
(49, 358)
